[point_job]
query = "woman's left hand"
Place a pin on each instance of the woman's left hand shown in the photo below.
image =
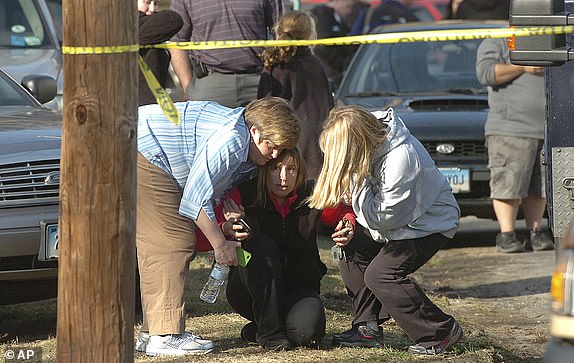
(343, 233)
(233, 213)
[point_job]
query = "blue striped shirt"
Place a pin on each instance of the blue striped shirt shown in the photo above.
(206, 153)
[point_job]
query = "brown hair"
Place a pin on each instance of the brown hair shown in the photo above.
(290, 154)
(296, 25)
(275, 119)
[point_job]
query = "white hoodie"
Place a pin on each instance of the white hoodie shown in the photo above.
(406, 197)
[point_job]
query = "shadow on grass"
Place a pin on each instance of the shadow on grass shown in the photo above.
(522, 287)
(28, 322)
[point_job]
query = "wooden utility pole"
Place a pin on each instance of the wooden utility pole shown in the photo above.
(98, 185)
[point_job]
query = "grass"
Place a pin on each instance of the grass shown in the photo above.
(33, 325)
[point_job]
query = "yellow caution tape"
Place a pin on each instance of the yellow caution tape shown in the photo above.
(420, 36)
(172, 113)
(101, 50)
(162, 98)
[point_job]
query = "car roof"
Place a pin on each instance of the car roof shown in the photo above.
(439, 25)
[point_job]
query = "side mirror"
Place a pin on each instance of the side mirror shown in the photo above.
(43, 88)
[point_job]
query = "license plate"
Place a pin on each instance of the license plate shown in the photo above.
(50, 242)
(459, 179)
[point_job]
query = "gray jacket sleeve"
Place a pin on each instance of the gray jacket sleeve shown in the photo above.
(490, 52)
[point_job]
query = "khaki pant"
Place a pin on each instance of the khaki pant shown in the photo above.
(165, 243)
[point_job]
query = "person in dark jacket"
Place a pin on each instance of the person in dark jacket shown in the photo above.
(338, 18)
(391, 12)
(483, 9)
(278, 291)
(298, 76)
(154, 28)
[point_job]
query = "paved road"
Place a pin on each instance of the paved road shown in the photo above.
(505, 297)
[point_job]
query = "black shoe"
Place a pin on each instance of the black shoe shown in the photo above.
(361, 336)
(248, 333)
(541, 241)
(508, 243)
(281, 343)
(344, 334)
(434, 348)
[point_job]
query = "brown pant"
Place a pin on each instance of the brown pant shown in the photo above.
(165, 243)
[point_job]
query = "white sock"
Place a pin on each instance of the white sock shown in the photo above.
(373, 325)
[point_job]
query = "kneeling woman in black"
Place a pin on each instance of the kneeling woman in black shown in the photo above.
(278, 291)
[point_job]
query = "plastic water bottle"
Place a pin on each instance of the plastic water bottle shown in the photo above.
(213, 285)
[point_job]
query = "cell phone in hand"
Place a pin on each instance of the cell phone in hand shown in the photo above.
(244, 225)
(347, 224)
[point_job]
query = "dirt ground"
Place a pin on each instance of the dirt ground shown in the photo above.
(503, 296)
(501, 300)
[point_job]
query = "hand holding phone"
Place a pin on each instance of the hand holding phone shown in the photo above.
(245, 227)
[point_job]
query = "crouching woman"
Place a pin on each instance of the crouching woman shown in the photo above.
(278, 291)
(407, 205)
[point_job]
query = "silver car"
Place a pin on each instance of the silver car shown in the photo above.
(30, 138)
(31, 41)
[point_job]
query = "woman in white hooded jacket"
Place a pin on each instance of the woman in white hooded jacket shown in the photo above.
(406, 205)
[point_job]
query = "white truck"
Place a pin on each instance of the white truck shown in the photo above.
(556, 52)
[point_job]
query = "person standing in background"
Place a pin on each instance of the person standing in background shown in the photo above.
(483, 9)
(514, 134)
(391, 12)
(154, 28)
(338, 18)
(297, 75)
(452, 9)
(227, 76)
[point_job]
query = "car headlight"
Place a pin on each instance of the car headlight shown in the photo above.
(562, 286)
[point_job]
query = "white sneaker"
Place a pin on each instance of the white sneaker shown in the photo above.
(141, 342)
(186, 343)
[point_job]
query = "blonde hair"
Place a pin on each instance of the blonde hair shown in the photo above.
(289, 154)
(275, 119)
(349, 137)
(296, 25)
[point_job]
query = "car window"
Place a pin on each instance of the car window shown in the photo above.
(21, 25)
(55, 7)
(11, 94)
(415, 67)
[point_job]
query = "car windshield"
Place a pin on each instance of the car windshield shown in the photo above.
(423, 67)
(11, 94)
(21, 25)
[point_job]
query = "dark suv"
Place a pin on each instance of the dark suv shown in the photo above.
(432, 86)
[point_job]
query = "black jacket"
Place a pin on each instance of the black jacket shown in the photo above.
(483, 9)
(303, 82)
(155, 29)
(335, 58)
(296, 236)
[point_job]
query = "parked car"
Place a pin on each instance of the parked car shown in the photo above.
(30, 137)
(433, 87)
(31, 41)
